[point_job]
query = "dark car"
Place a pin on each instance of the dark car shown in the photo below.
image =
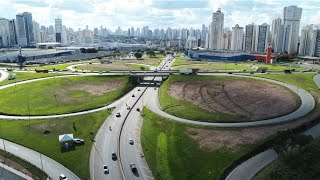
(133, 167)
(133, 95)
(105, 169)
(138, 109)
(114, 156)
(118, 115)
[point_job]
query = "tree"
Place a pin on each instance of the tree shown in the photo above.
(302, 140)
(151, 53)
(138, 55)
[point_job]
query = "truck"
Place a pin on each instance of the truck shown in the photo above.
(189, 71)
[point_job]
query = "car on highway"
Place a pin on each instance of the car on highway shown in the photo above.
(63, 177)
(133, 95)
(78, 141)
(139, 90)
(138, 109)
(128, 108)
(133, 167)
(114, 156)
(118, 115)
(105, 169)
(131, 141)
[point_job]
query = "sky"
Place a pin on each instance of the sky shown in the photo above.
(156, 13)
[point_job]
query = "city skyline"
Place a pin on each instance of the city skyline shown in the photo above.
(157, 14)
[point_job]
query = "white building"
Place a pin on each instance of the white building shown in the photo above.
(291, 18)
(58, 29)
(277, 35)
(36, 32)
(308, 40)
(21, 31)
(250, 37)
(4, 33)
(216, 30)
(262, 37)
(226, 39)
(237, 38)
(191, 43)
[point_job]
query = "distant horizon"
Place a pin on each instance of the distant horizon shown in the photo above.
(177, 14)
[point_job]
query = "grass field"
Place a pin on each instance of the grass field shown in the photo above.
(217, 66)
(299, 165)
(62, 66)
(172, 155)
(31, 134)
(112, 66)
(63, 95)
(303, 80)
(22, 76)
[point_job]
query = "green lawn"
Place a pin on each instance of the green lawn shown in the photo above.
(22, 76)
(303, 80)
(172, 155)
(62, 66)
(112, 66)
(217, 66)
(63, 95)
(31, 134)
(300, 165)
(276, 67)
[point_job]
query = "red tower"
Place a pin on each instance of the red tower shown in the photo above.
(268, 54)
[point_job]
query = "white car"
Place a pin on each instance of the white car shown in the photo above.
(63, 177)
(78, 141)
(131, 141)
(105, 169)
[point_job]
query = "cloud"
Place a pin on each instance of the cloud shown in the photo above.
(155, 13)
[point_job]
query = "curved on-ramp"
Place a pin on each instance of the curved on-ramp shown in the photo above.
(307, 105)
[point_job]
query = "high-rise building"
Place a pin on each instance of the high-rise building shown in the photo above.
(262, 37)
(237, 38)
(58, 29)
(29, 28)
(277, 35)
(317, 46)
(21, 31)
(36, 32)
(291, 21)
(308, 40)
(226, 39)
(4, 33)
(13, 32)
(216, 30)
(250, 37)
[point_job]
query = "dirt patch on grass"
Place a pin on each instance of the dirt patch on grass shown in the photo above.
(254, 100)
(235, 139)
(98, 89)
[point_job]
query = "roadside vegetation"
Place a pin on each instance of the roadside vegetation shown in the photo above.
(22, 76)
(298, 159)
(42, 136)
(63, 95)
(302, 80)
(173, 155)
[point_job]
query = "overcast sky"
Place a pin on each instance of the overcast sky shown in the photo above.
(155, 13)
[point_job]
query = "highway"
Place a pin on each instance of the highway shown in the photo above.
(117, 140)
